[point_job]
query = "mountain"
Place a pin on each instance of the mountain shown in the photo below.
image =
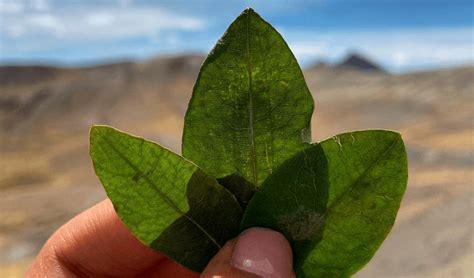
(46, 113)
(70, 100)
(359, 62)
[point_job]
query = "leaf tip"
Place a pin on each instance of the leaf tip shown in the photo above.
(249, 11)
(94, 133)
(98, 129)
(95, 130)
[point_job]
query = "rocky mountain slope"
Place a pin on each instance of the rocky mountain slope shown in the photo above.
(46, 176)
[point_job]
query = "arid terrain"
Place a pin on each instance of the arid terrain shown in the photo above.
(46, 176)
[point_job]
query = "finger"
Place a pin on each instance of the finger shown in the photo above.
(257, 252)
(95, 242)
(220, 265)
(168, 268)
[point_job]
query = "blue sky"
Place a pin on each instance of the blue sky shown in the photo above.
(401, 35)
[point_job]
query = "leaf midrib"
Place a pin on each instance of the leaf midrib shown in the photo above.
(253, 152)
(160, 193)
(361, 177)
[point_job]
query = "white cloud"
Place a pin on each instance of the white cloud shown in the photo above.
(398, 50)
(10, 7)
(18, 6)
(121, 21)
(100, 19)
(47, 22)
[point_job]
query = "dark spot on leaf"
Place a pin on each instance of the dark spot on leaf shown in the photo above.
(136, 177)
(302, 224)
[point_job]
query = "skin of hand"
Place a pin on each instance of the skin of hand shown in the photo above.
(96, 243)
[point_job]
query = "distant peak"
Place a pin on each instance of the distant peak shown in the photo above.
(359, 62)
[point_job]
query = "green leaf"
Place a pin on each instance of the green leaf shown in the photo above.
(166, 201)
(250, 109)
(335, 201)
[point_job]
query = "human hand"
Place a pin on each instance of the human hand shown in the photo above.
(96, 243)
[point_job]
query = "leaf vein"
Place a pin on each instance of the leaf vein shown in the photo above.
(160, 193)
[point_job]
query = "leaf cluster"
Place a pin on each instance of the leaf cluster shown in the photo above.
(248, 161)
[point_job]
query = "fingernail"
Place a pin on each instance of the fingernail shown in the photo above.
(263, 252)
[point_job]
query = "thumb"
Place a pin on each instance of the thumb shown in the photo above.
(256, 252)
